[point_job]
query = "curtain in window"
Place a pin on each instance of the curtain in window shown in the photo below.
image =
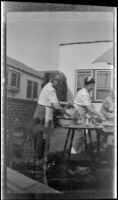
(29, 89)
(34, 90)
(104, 79)
(14, 79)
(103, 84)
(80, 78)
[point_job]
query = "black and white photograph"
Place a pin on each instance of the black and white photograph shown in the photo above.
(59, 135)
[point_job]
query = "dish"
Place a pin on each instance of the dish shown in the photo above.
(66, 121)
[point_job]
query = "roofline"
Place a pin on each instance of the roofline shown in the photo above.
(16, 67)
(48, 71)
(87, 42)
(24, 71)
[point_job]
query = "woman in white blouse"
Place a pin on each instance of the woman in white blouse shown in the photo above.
(43, 115)
(83, 105)
(83, 102)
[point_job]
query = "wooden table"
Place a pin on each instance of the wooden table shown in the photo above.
(84, 127)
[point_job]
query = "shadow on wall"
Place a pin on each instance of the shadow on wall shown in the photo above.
(70, 96)
(62, 87)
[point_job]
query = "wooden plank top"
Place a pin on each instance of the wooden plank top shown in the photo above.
(105, 126)
(83, 126)
(19, 183)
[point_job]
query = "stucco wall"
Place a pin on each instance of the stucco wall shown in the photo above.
(80, 56)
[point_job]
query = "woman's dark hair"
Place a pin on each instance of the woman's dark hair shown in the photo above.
(57, 76)
(46, 79)
(89, 80)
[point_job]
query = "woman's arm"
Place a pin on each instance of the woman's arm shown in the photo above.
(57, 106)
(92, 110)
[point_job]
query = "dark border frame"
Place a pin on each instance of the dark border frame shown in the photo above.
(46, 6)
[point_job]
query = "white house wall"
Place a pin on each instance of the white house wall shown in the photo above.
(79, 56)
(23, 86)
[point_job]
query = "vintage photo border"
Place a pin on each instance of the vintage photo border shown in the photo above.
(31, 7)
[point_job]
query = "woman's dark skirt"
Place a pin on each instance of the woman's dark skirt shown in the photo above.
(38, 130)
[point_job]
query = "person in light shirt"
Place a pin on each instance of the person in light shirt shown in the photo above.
(83, 102)
(43, 116)
(83, 105)
(107, 109)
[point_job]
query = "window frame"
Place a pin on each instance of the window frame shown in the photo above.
(32, 87)
(93, 73)
(9, 80)
(95, 89)
(27, 90)
(81, 71)
(34, 82)
(76, 76)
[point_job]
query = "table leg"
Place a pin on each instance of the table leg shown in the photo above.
(98, 141)
(90, 138)
(85, 141)
(66, 142)
(71, 142)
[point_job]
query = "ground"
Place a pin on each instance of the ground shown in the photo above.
(82, 171)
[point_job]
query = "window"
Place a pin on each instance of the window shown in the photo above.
(29, 89)
(80, 76)
(32, 89)
(103, 82)
(13, 80)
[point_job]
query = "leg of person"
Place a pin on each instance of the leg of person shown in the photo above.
(78, 141)
(110, 139)
(46, 148)
(104, 140)
(40, 145)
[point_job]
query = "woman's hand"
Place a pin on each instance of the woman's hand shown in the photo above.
(70, 104)
(102, 118)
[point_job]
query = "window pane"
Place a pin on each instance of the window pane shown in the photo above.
(104, 79)
(101, 93)
(14, 79)
(29, 89)
(18, 83)
(35, 85)
(80, 78)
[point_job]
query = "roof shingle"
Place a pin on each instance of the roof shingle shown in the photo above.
(19, 65)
